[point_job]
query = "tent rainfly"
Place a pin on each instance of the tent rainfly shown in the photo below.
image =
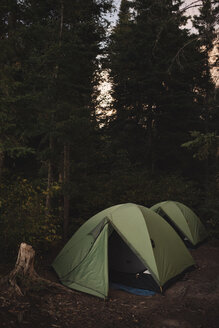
(183, 219)
(124, 241)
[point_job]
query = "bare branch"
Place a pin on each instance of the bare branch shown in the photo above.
(196, 3)
(176, 57)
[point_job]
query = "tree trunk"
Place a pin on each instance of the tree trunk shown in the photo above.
(150, 138)
(66, 192)
(61, 21)
(1, 164)
(50, 178)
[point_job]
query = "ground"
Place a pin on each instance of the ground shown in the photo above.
(192, 302)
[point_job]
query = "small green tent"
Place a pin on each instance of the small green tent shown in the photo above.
(151, 244)
(183, 219)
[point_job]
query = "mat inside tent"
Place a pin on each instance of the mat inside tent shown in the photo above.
(132, 290)
(134, 283)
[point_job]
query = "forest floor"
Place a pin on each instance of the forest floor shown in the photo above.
(192, 302)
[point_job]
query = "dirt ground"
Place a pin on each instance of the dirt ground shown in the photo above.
(190, 302)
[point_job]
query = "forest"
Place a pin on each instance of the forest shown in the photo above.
(66, 151)
(100, 106)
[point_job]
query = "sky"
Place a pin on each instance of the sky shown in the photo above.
(192, 11)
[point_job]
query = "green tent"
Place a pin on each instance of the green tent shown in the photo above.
(183, 219)
(151, 244)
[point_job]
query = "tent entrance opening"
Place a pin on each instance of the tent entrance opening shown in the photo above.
(125, 267)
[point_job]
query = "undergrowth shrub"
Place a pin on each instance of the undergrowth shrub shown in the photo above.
(131, 186)
(23, 217)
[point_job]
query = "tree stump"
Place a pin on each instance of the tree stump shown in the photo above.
(25, 261)
(23, 270)
(23, 276)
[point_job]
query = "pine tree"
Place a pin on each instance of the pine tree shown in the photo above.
(16, 120)
(51, 51)
(206, 23)
(122, 61)
(157, 109)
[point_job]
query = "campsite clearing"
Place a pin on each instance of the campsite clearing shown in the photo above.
(191, 302)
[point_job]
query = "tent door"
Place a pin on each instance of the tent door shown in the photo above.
(125, 267)
(121, 257)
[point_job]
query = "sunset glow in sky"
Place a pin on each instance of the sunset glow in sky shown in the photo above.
(191, 11)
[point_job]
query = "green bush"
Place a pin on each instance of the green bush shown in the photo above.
(135, 186)
(23, 217)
